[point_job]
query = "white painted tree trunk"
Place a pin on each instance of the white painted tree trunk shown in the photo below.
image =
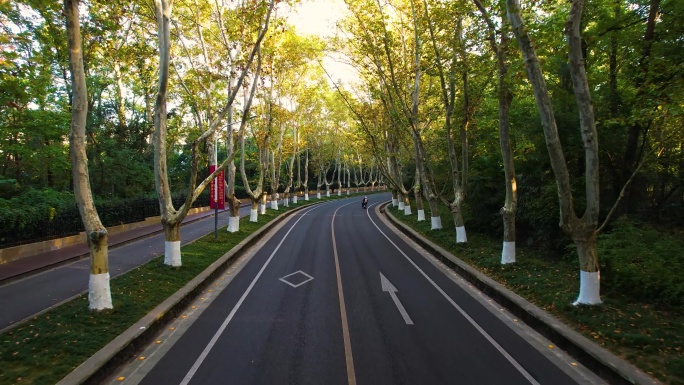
(274, 205)
(253, 215)
(347, 191)
(99, 293)
(294, 199)
(461, 235)
(172, 253)
(306, 196)
(436, 223)
(233, 224)
(401, 205)
(590, 288)
(263, 208)
(395, 202)
(286, 202)
(421, 215)
(508, 253)
(318, 195)
(407, 209)
(327, 193)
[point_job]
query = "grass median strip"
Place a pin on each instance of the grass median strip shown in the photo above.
(48, 347)
(650, 337)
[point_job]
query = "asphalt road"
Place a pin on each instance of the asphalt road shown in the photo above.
(334, 296)
(29, 296)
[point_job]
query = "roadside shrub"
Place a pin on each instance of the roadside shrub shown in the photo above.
(38, 215)
(486, 195)
(538, 216)
(641, 262)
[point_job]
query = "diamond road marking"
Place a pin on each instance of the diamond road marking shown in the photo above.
(284, 279)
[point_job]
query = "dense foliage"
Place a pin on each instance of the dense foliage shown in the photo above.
(643, 262)
(41, 215)
(634, 63)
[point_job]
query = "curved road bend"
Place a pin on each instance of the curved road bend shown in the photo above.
(333, 296)
(29, 296)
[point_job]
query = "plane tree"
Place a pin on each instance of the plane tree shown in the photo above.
(388, 49)
(582, 228)
(258, 16)
(99, 292)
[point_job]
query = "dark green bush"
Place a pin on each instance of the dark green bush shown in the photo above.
(538, 216)
(641, 262)
(31, 214)
(38, 215)
(486, 195)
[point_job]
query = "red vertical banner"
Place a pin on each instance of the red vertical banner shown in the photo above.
(221, 191)
(216, 189)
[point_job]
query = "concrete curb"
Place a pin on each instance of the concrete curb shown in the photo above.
(102, 364)
(599, 360)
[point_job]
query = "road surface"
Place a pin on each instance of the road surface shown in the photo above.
(26, 297)
(334, 296)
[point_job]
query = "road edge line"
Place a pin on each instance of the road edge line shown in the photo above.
(105, 361)
(597, 359)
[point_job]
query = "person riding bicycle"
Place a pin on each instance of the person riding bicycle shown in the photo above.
(364, 202)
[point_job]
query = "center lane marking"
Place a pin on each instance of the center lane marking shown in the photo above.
(351, 374)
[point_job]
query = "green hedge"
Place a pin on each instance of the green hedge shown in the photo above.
(38, 215)
(642, 262)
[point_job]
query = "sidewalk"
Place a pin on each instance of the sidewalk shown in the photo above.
(25, 266)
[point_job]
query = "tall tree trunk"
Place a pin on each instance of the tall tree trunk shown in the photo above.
(256, 194)
(418, 196)
(298, 186)
(460, 188)
(319, 183)
(287, 195)
(120, 101)
(99, 292)
(306, 175)
(348, 179)
(274, 183)
(509, 209)
(582, 230)
(169, 216)
(233, 202)
(339, 176)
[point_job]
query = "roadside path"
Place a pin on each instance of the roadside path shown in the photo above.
(35, 284)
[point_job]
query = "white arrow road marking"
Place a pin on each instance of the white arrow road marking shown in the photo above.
(225, 323)
(486, 335)
(388, 287)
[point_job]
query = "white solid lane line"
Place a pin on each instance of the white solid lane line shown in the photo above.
(225, 323)
(486, 335)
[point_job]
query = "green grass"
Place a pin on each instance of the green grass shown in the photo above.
(650, 337)
(48, 347)
(51, 345)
